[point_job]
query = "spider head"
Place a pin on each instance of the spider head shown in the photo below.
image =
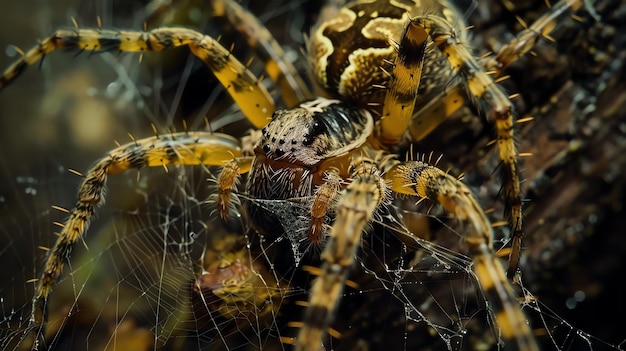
(315, 131)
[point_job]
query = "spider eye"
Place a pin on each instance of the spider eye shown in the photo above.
(318, 128)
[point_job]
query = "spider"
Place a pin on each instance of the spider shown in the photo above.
(383, 73)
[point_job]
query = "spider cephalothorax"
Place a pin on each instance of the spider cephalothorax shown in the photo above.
(296, 143)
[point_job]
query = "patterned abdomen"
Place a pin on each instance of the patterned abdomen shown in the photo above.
(354, 51)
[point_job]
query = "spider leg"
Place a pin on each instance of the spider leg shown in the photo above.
(404, 82)
(247, 91)
(429, 116)
(481, 87)
(292, 86)
(187, 148)
(322, 201)
(420, 179)
(516, 48)
(227, 181)
(485, 92)
(355, 208)
(528, 38)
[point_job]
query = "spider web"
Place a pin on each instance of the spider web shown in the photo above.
(136, 280)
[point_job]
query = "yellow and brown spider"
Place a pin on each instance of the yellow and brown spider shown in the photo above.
(384, 75)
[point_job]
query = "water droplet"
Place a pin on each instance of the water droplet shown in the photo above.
(10, 51)
(570, 303)
(579, 296)
(113, 89)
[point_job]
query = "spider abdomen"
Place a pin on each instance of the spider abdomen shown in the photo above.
(350, 49)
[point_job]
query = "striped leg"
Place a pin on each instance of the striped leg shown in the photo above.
(425, 181)
(292, 87)
(324, 199)
(479, 81)
(523, 43)
(487, 94)
(242, 85)
(528, 38)
(404, 82)
(354, 210)
(432, 114)
(192, 148)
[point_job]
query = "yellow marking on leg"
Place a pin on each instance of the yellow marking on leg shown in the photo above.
(354, 211)
(436, 111)
(292, 86)
(420, 179)
(227, 182)
(528, 38)
(494, 284)
(247, 91)
(404, 83)
(186, 148)
(193, 148)
(324, 196)
(522, 44)
(483, 89)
